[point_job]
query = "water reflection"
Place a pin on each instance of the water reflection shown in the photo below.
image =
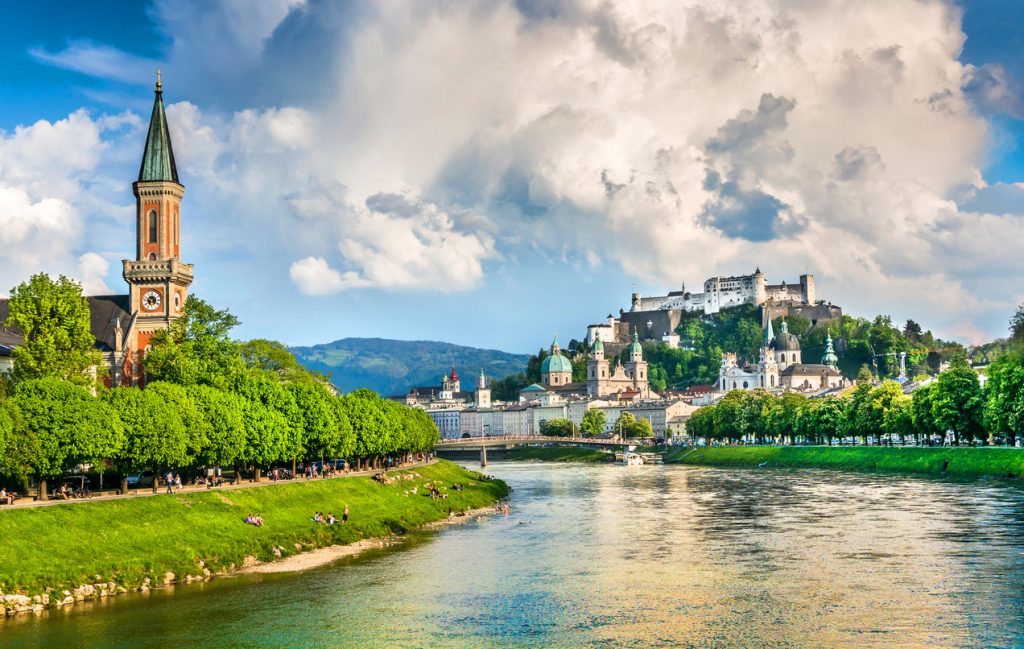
(645, 556)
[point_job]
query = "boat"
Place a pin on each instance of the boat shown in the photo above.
(631, 458)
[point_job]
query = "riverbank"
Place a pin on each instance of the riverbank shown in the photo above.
(54, 556)
(942, 461)
(559, 454)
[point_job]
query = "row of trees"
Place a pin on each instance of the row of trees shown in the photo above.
(954, 402)
(209, 400)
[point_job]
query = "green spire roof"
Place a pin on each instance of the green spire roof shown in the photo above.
(829, 358)
(635, 347)
(769, 334)
(158, 157)
(598, 345)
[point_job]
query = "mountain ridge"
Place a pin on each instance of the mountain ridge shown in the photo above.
(392, 367)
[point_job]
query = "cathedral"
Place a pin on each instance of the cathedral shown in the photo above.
(780, 366)
(157, 279)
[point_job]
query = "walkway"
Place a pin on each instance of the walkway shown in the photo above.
(264, 481)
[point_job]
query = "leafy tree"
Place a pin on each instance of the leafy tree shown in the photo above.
(54, 319)
(729, 422)
(1004, 395)
(196, 348)
(326, 431)
(784, 415)
(624, 424)
(702, 423)
(958, 401)
(65, 426)
(923, 413)
(826, 419)
(225, 430)
(374, 430)
(898, 420)
(557, 427)
(273, 357)
(197, 429)
(594, 420)
(155, 434)
(1017, 325)
(273, 421)
(641, 429)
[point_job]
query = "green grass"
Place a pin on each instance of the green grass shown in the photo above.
(962, 462)
(560, 454)
(126, 541)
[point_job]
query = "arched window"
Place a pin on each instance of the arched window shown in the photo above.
(745, 386)
(152, 256)
(773, 381)
(151, 225)
(175, 228)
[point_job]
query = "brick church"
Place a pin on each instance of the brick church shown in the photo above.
(157, 279)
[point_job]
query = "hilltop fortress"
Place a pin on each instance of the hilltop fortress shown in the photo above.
(656, 317)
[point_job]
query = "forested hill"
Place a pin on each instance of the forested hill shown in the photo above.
(393, 366)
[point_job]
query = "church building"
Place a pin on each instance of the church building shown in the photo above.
(157, 279)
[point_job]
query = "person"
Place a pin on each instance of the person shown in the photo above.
(318, 518)
(5, 498)
(177, 481)
(169, 480)
(344, 516)
(331, 520)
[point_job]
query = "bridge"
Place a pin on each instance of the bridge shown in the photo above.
(510, 441)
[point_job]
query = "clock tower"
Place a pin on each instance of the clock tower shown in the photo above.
(158, 280)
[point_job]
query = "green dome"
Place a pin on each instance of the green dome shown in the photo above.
(598, 345)
(555, 363)
(636, 348)
(829, 357)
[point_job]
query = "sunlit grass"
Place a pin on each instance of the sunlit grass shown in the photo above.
(129, 540)
(960, 462)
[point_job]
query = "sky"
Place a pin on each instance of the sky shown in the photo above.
(493, 172)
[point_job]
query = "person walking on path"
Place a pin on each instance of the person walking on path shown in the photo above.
(169, 479)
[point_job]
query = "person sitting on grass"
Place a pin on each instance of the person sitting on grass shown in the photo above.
(253, 519)
(318, 518)
(331, 520)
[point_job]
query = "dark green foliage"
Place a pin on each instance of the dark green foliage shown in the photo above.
(393, 366)
(557, 427)
(593, 421)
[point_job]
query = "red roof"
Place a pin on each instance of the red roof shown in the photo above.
(455, 375)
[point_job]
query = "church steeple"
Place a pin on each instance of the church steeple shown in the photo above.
(158, 156)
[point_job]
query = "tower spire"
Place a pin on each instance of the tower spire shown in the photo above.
(158, 156)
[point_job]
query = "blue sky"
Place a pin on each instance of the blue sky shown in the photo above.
(492, 172)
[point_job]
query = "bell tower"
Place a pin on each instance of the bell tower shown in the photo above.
(158, 280)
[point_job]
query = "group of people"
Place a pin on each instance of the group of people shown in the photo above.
(254, 519)
(173, 481)
(67, 492)
(330, 519)
(6, 497)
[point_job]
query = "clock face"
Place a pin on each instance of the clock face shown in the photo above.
(150, 300)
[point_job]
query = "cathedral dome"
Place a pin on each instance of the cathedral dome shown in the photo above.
(785, 341)
(555, 363)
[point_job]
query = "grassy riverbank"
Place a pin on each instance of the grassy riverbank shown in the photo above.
(559, 454)
(959, 462)
(129, 541)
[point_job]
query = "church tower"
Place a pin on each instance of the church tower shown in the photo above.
(158, 280)
(483, 393)
(637, 366)
(597, 371)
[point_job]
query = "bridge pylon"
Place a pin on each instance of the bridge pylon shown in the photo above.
(483, 456)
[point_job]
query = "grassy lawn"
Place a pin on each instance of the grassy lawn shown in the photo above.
(126, 541)
(962, 462)
(560, 454)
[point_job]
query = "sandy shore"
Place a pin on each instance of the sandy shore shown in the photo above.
(332, 553)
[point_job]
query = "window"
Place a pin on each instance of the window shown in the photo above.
(151, 225)
(745, 386)
(175, 228)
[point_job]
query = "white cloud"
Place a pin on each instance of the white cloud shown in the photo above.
(92, 272)
(314, 276)
(670, 139)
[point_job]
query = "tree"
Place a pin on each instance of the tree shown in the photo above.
(826, 418)
(53, 317)
(958, 401)
(65, 426)
(898, 420)
(196, 348)
(557, 427)
(593, 421)
(273, 357)
(155, 435)
(373, 428)
(326, 431)
(624, 424)
(1004, 395)
(922, 412)
(702, 424)
(273, 422)
(641, 429)
(728, 416)
(1017, 325)
(784, 415)
(223, 413)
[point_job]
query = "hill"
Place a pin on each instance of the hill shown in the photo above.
(393, 366)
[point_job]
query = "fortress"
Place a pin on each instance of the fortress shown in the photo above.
(656, 317)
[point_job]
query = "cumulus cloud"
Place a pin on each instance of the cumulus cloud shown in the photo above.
(314, 276)
(670, 140)
(92, 273)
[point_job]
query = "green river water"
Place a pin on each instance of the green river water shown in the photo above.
(610, 556)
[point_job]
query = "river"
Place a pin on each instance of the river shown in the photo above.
(628, 557)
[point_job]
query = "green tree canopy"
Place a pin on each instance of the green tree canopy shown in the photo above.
(53, 317)
(958, 401)
(594, 421)
(197, 348)
(557, 427)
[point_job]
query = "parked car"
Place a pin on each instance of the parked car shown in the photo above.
(142, 479)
